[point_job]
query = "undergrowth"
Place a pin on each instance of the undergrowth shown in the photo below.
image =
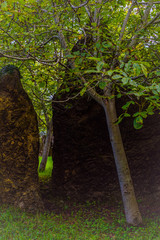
(79, 222)
(48, 170)
(80, 225)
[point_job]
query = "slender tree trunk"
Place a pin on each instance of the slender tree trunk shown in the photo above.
(46, 147)
(131, 209)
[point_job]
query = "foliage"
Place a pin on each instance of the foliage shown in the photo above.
(81, 223)
(119, 47)
(40, 83)
(48, 169)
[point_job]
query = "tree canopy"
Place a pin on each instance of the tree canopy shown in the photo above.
(115, 42)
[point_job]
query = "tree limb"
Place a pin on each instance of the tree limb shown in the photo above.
(81, 5)
(147, 11)
(92, 92)
(145, 3)
(126, 20)
(45, 62)
(153, 20)
(16, 57)
(143, 25)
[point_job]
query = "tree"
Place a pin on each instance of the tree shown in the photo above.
(41, 88)
(121, 56)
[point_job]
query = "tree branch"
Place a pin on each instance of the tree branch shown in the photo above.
(76, 7)
(143, 25)
(92, 92)
(147, 12)
(45, 62)
(50, 39)
(153, 20)
(16, 57)
(126, 20)
(156, 22)
(145, 3)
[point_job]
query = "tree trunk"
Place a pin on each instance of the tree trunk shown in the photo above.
(46, 147)
(131, 209)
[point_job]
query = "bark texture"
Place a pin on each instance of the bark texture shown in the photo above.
(46, 147)
(131, 209)
(19, 144)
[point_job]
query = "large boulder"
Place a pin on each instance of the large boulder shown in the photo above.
(19, 143)
(82, 155)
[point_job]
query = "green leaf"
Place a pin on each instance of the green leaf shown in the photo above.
(94, 58)
(70, 56)
(125, 80)
(154, 91)
(76, 53)
(132, 83)
(136, 69)
(157, 73)
(144, 70)
(117, 76)
(102, 85)
(122, 65)
(98, 45)
(127, 115)
(91, 71)
(143, 114)
(135, 114)
(127, 67)
(100, 66)
(110, 72)
(124, 74)
(119, 95)
(107, 44)
(82, 92)
(150, 110)
(42, 84)
(138, 122)
(67, 89)
(158, 88)
(120, 118)
(126, 106)
(4, 5)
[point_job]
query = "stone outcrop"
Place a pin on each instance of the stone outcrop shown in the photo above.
(19, 143)
(82, 154)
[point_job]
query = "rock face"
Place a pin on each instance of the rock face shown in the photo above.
(19, 143)
(82, 154)
(81, 145)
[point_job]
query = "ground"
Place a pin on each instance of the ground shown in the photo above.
(146, 180)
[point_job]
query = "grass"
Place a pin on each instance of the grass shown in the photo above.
(89, 221)
(48, 170)
(80, 225)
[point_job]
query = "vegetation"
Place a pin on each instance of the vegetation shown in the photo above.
(81, 223)
(45, 175)
(90, 221)
(115, 42)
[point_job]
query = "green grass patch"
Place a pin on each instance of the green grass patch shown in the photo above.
(81, 225)
(48, 170)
